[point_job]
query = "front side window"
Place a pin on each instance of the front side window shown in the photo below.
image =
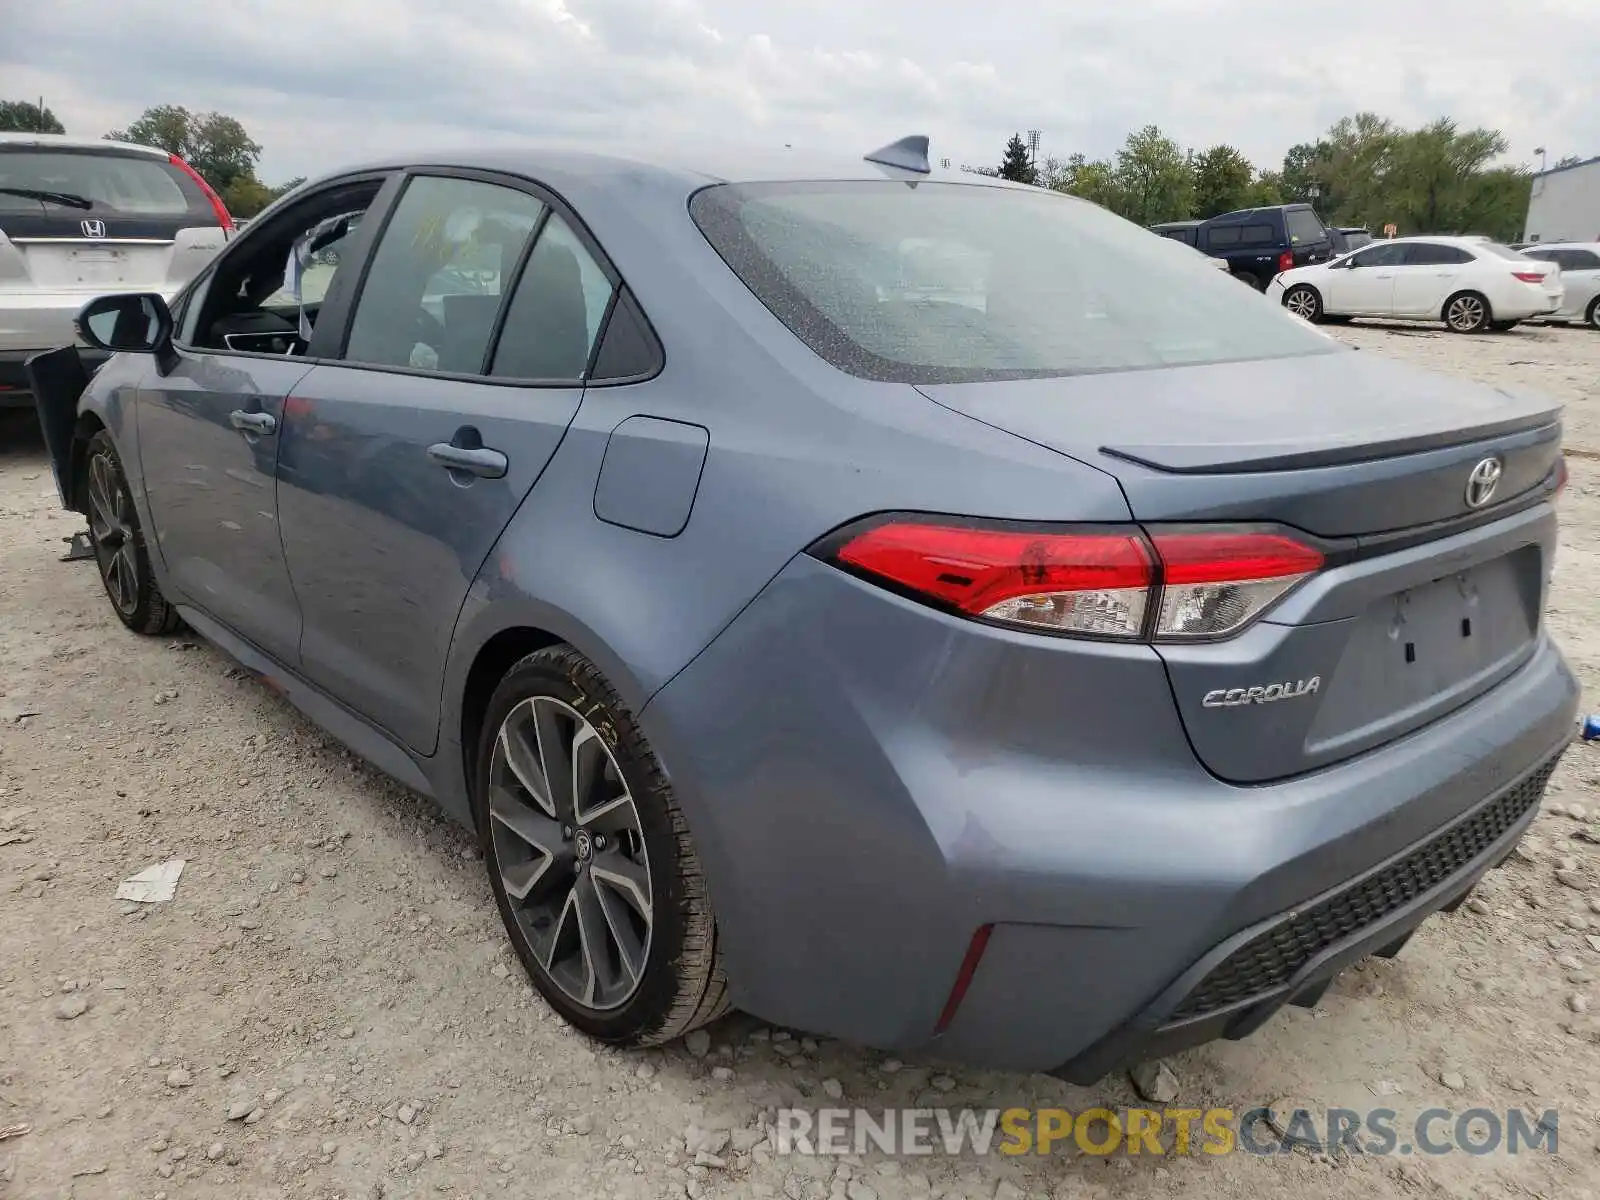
(433, 290)
(950, 283)
(265, 293)
(1390, 254)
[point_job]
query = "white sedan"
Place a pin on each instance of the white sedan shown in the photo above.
(1469, 283)
(1580, 278)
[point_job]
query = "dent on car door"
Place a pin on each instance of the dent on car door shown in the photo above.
(209, 427)
(401, 464)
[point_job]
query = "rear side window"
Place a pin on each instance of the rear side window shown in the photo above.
(953, 283)
(1304, 228)
(555, 311)
(98, 185)
(1434, 254)
(1578, 260)
(1242, 235)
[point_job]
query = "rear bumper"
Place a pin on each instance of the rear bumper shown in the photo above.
(869, 782)
(1294, 956)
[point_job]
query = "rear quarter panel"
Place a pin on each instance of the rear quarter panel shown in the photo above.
(795, 448)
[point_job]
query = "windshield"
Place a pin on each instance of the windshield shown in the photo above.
(952, 283)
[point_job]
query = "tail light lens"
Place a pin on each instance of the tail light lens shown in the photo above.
(217, 206)
(1528, 276)
(1096, 584)
(1562, 476)
(1286, 261)
(1107, 582)
(1214, 584)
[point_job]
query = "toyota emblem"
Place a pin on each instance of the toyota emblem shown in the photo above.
(93, 228)
(1483, 481)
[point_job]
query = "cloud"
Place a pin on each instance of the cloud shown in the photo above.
(321, 82)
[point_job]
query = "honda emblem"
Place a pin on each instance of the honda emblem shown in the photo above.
(93, 228)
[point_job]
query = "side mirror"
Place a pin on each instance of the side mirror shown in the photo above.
(128, 323)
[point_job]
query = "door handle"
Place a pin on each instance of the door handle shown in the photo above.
(252, 422)
(479, 461)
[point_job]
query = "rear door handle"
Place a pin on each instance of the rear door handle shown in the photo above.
(252, 422)
(482, 462)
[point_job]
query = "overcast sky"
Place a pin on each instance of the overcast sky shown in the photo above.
(322, 82)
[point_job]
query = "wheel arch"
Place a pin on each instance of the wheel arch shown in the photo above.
(84, 429)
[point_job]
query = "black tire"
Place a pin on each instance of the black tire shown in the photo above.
(1244, 277)
(1467, 312)
(1336, 319)
(1304, 301)
(1503, 326)
(1593, 315)
(119, 543)
(681, 985)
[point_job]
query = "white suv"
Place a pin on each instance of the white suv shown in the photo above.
(79, 218)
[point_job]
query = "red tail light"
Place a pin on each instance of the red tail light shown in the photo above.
(1561, 476)
(1286, 261)
(1528, 276)
(217, 206)
(1102, 582)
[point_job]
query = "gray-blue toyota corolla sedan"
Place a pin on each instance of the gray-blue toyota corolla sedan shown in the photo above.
(901, 604)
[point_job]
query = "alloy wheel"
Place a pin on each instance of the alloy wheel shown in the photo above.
(570, 852)
(111, 527)
(1302, 302)
(1465, 314)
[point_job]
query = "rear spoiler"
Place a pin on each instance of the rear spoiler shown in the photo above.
(57, 379)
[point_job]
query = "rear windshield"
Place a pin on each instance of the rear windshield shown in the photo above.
(1499, 251)
(114, 184)
(954, 283)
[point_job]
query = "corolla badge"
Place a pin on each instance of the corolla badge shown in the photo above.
(1483, 480)
(1269, 693)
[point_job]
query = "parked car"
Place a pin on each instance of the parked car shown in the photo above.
(1346, 238)
(1187, 232)
(879, 608)
(79, 217)
(1580, 278)
(1258, 243)
(1469, 283)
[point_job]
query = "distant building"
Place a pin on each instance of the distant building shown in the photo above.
(1565, 205)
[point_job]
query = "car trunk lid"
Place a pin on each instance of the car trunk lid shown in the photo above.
(1426, 600)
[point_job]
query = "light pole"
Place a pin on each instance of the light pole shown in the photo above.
(1539, 150)
(1033, 148)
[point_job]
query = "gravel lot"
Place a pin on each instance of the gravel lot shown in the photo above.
(332, 975)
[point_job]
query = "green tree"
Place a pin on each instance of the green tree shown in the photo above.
(246, 196)
(1440, 182)
(1570, 160)
(24, 116)
(1267, 188)
(1154, 178)
(1223, 180)
(1095, 182)
(1355, 171)
(1017, 165)
(214, 144)
(283, 189)
(1302, 171)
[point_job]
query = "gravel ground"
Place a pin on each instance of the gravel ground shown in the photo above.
(328, 1009)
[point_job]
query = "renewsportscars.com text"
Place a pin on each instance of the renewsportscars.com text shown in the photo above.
(1170, 1131)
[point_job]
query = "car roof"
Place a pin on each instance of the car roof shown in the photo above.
(687, 163)
(1177, 224)
(1561, 245)
(61, 141)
